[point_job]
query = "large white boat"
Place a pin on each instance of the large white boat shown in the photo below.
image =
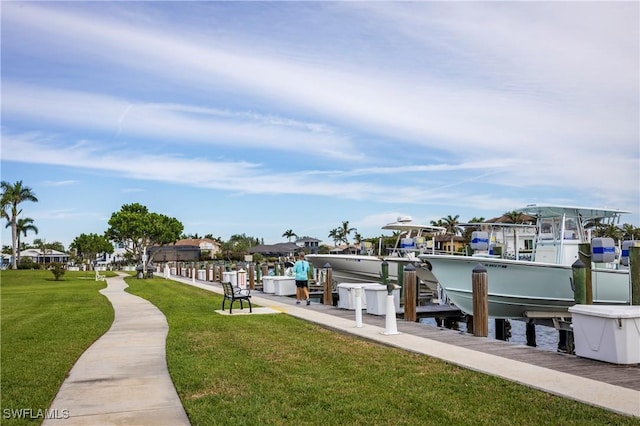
(412, 240)
(541, 285)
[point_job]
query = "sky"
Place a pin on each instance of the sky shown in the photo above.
(260, 117)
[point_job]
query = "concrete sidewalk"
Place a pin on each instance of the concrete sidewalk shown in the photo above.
(615, 398)
(123, 377)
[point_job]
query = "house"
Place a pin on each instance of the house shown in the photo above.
(276, 250)
(449, 243)
(310, 245)
(46, 257)
(345, 249)
(175, 253)
(208, 247)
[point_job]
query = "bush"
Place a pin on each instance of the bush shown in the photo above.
(27, 263)
(57, 269)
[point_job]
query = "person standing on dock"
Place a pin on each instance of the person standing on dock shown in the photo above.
(301, 269)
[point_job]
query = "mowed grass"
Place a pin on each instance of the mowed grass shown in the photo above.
(45, 326)
(276, 369)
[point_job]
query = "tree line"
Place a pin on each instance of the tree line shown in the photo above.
(136, 229)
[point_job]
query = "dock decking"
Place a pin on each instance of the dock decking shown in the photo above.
(627, 376)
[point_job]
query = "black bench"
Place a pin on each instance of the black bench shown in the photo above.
(232, 294)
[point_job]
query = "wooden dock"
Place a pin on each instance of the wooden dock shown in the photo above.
(627, 376)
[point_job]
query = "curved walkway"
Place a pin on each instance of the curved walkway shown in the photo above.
(123, 377)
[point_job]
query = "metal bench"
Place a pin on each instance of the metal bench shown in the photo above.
(100, 277)
(232, 294)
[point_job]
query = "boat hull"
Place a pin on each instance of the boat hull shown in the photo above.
(366, 269)
(518, 289)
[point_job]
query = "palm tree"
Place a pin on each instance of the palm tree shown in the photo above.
(514, 217)
(631, 232)
(345, 230)
(23, 225)
(612, 231)
(451, 225)
(335, 235)
(12, 196)
(42, 245)
(288, 234)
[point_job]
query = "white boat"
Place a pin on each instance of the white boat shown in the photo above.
(413, 239)
(541, 285)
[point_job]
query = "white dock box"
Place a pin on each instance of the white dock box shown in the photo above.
(284, 286)
(230, 277)
(376, 296)
(347, 295)
(268, 285)
(609, 333)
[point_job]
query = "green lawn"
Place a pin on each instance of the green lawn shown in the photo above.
(45, 326)
(276, 369)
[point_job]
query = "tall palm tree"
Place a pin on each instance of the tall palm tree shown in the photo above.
(12, 196)
(335, 235)
(631, 232)
(612, 231)
(23, 225)
(451, 225)
(42, 245)
(288, 234)
(346, 231)
(514, 217)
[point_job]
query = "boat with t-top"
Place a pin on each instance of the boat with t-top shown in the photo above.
(535, 281)
(412, 240)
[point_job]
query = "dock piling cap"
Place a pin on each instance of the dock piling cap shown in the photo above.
(578, 264)
(479, 269)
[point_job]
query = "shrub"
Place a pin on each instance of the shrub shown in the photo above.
(57, 269)
(27, 263)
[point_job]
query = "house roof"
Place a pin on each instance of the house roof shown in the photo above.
(37, 252)
(196, 242)
(307, 239)
(275, 249)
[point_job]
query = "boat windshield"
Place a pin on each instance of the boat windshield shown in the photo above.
(551, 228)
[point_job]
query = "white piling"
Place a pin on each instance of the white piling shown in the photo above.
(358, 300)
(167, 271)
(391, 326)
(193, 275)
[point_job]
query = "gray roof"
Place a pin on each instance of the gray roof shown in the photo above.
(275, 249)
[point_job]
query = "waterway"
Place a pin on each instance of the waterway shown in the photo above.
(546, 337)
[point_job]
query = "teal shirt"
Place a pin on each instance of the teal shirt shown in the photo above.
(301, 269)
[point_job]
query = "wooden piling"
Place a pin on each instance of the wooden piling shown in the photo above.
(252, 278)
(265, 270)
(531, 333)
(327, 298)
(634, 272)
(579, 282)
(503, 329)
(400, 273)
(480, 288)
(410, 289)
(584, 254)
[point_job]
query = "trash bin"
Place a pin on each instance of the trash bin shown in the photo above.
(376, 297)
(150, 272)
(139, 272)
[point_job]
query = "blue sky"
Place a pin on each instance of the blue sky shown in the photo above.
(256, 118)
